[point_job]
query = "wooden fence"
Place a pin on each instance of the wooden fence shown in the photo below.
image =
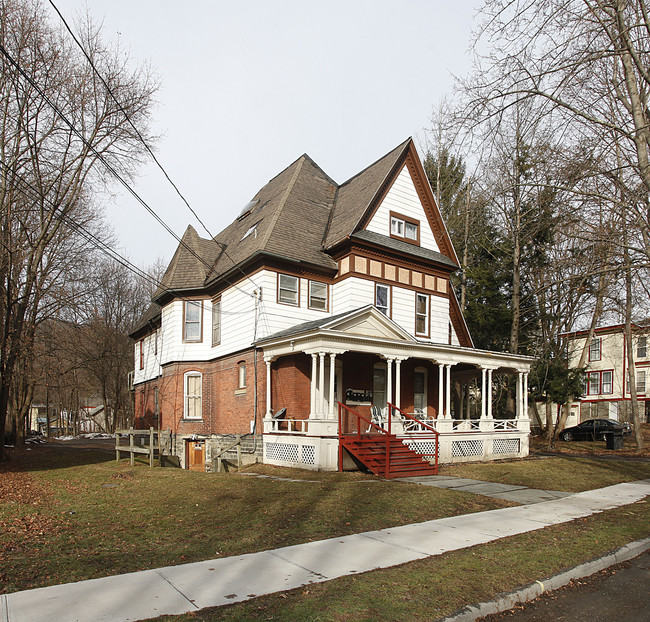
(152, 448)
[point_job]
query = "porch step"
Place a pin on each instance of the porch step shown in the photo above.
(370, 450)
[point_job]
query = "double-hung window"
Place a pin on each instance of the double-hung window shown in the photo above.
(216, 321)
(288, 289)
(141, 353)
(640, 381)
(317, 295)
(594, 383)
(193, 389)
(192, 320)
(642, 348)
(404, 228)
(606, 382)
(594, 350)
(422, 314)
(382, 299)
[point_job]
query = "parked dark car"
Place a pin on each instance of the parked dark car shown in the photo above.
(594, 429)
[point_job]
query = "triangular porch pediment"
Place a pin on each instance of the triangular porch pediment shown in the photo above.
(370, 323)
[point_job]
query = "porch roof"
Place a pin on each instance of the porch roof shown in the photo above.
(368, 330)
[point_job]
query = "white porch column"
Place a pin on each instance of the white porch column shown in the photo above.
(441, 392)
(398, 383)
(321, 384)
(519, 395)
(332, 413)
(489, 393)
(389, 380)
(448, 392)
(525, 395)
(312, 397)
(268, 362)
(483, 392)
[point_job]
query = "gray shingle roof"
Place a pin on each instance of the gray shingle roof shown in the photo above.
(403, 247)
(356, 194)
(298, 215)
(151, 315)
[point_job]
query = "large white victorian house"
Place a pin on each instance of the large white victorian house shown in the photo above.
(323, 313)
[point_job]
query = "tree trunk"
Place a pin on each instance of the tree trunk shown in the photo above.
(631, 366)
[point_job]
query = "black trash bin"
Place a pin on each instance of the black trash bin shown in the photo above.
(614, 439)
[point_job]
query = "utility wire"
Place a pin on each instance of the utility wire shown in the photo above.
(144, 142)
(97, 242)
(109, 167)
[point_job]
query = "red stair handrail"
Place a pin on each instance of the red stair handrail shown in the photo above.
(359, 419)
(419, 422)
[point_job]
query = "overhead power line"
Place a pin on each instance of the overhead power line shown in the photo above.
(144, 142)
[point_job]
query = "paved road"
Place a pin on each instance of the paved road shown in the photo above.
(620, 593)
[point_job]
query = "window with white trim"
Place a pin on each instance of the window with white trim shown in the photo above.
(192, 395)
(288, 289)
(606, 382)
(594, 383)
(594, 350)
(422, 314)
(216, 321)
(405, 228)
(640, 381)
(642, 348)
(241, 375)
(318, 295)
(192, 320)
(382, 298)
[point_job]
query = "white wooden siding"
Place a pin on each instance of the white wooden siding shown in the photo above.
(440, 320)
(403, 199)
(238, 319)
(351, 294)
(152, 361)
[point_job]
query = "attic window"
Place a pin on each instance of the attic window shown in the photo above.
(251, 230)
(248, 208)
(404, 228)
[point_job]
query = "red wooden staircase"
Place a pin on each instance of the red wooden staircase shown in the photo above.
(379, 450)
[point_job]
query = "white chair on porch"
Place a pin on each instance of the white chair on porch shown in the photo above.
(375, 417)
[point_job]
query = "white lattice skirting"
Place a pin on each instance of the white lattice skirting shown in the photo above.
(307, 452)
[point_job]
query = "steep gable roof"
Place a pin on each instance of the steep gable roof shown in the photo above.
(357, 194)
(298, 216)
(358, 199)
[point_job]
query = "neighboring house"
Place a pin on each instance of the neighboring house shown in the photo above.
(320, 293)
(606, 390)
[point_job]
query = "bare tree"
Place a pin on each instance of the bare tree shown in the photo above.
(61, 132)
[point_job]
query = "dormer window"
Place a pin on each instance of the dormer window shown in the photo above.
(404, 228)
(251, 231)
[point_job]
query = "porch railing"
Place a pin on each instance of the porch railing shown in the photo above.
(422, 427)
(287, 426)
(359, 418)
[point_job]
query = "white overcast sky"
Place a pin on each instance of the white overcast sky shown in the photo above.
(249, 86)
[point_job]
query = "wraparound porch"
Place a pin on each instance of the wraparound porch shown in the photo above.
(365, 362)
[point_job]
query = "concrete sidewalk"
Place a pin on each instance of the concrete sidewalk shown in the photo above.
(189, 587)
(509, 492)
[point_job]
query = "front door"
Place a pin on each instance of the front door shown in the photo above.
(196, 455)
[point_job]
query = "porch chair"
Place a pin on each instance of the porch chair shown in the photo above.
(410, 425)
(375, 417)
